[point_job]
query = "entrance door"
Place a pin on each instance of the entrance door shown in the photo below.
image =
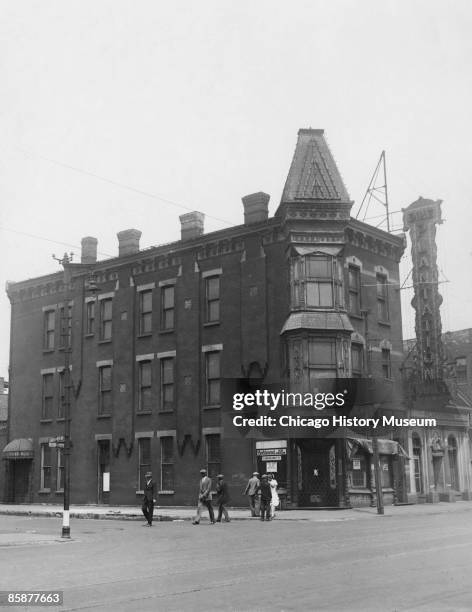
(19, 475)
(103, 456)
(317, 480)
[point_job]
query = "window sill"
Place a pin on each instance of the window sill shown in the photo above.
(51, 350)
(60, 419)
(139, 492)
(142, 412)
(44, 491)
(166, 492)
(363, 490)
(45, 420)
(166, 411)
(89, 335)
(103, 416)
(167, 331)
(108, 341)
(211, 323)
(384, 323)
(355, 315)
(214, 407)
(145, 335)
(59, 492)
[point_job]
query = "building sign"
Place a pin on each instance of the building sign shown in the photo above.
(271, 458)
(356, 464)
(271, 466)
(270, 451)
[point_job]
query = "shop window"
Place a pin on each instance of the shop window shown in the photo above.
(358, 472)
(145, 312)
(167, 463)
(48, 396)
(145, 386)
(168, 307)
(213, 456)
(144, 460)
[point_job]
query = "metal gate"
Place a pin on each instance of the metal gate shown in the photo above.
(317, 480)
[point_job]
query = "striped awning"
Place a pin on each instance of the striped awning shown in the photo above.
(21, 448)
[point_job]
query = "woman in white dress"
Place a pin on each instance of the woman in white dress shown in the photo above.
(274, 502)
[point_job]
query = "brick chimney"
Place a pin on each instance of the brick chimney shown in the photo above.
(191, 225)
(256, 207)
(128, 242)
(89, 250)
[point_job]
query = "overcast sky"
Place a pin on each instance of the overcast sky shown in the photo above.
(199, 103)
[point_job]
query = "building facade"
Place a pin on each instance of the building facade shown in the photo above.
(297, 301)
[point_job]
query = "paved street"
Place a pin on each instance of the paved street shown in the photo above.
(403, 561)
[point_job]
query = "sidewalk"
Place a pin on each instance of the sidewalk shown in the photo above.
(133, 513)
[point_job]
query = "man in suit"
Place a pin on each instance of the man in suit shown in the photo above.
(251, 490)
(148, 501)
(223, 499)
(204, 498)
(266, 497)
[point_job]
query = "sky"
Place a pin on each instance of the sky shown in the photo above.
(126, 114)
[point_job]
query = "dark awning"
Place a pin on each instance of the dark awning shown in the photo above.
(386, 447)
(21, 448)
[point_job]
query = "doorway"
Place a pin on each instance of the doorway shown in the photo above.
(317, 480)
(103, 460)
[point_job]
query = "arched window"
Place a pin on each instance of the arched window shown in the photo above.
(417, 463)
(452, 456)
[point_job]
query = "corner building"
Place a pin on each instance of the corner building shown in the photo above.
(307, 295)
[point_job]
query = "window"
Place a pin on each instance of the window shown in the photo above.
(167, 464)
(357, 360)
(321, 360)
(386, 472)
(213, 456)
(105, 319)
(60, 469)
(316, 282)
(167, 307)
(167, 384)
(386, 363)
(452, 457)
(105, 406)
(65, 318)
(49, 327)
(417, 464)
(212, 378)
(212, 299)
(144, 458)
(45, 466)
(48, 396)
(382, 298)
(145, 386)
(90, 318)
(145, 312)
(60, 405)
(354, 290)
(358, 472)
(461, 369)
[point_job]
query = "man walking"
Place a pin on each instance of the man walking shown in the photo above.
(148, 501)
(223, 499)
(251, 490)
(204, 498)
(266, 497)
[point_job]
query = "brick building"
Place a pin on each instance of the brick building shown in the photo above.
(307, 296)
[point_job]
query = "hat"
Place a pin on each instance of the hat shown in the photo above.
(203, 471)
(220, 476)
(255, 473)
(264, 476)
(148, 474)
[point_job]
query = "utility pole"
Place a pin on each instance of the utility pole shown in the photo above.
(375, 445)
(66, 336)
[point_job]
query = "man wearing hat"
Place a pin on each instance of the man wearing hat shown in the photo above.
(148, 501)
(251, 490)
(204, 498)
(266, 496)
(223, 499)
